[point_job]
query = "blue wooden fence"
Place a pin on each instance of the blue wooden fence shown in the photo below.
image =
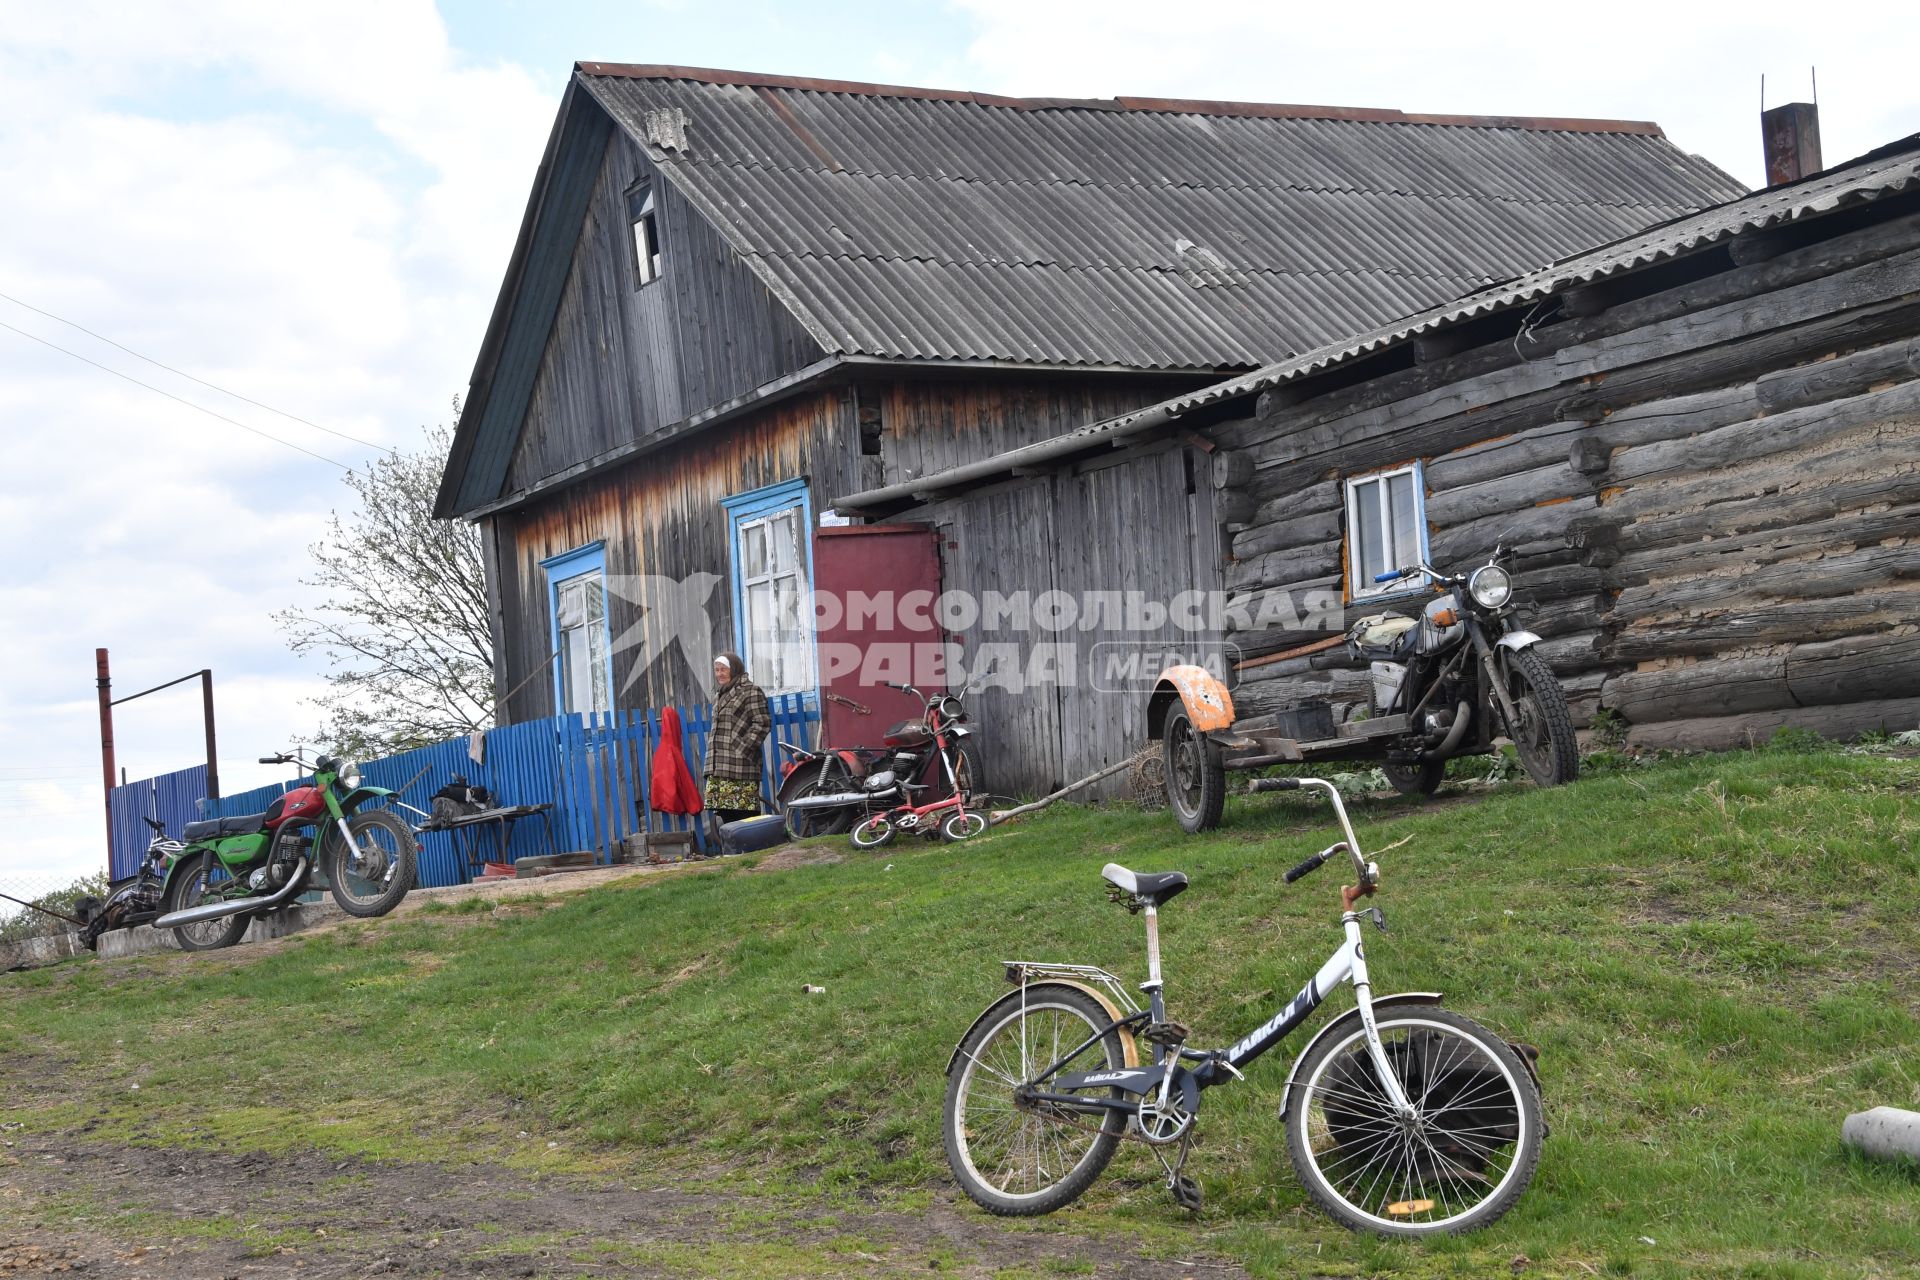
(596, 770)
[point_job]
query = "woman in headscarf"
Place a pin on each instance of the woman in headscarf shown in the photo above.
(741, 722)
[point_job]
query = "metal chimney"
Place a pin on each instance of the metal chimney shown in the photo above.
(1791, 136)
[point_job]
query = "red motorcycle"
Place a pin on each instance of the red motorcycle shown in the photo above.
(919, 762)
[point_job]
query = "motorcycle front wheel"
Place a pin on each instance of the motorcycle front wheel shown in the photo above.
(370, 880)
(1544, 738)
(197, 880)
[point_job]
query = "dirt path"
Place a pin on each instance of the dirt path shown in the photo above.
(74, 1206)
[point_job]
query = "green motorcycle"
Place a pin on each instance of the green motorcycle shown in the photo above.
(232, 869)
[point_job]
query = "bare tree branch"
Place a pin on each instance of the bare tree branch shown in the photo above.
(402, 623)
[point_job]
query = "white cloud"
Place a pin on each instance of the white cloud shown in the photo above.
(310, 204)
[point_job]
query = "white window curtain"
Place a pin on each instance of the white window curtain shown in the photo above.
(773, 585)
(580, 617)
(1386, 514)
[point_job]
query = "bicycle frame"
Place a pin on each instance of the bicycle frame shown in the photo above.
(1167, 1072)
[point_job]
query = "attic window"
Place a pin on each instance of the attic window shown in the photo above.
(646, 235)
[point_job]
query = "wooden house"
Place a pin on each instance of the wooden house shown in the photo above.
(1703, 439)
(735, 298)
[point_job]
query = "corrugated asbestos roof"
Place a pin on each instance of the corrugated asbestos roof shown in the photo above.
(919, 224)
(1889, 171)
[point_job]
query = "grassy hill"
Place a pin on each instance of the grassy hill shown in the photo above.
(1716, 957)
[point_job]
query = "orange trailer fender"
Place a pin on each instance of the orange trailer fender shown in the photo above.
(1209, 705)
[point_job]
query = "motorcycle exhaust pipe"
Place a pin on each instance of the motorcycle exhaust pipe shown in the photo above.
(1461, 715)
(221, 910)
(837, 800)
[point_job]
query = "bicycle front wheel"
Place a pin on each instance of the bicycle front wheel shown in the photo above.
(1019, 1158)
(1458, 1162)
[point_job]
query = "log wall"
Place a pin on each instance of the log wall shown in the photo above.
(1715, 491)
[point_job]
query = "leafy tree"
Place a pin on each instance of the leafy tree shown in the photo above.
(403, 617)
(19, 922)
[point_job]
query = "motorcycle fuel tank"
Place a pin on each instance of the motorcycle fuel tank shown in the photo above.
(908, 733)
(302, 804)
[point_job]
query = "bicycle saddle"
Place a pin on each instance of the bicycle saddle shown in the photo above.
(1151, 886)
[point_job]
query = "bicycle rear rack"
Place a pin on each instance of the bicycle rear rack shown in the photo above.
(1022, 972)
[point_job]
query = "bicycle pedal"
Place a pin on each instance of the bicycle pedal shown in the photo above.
(1170, 1034)
(1186, 1193)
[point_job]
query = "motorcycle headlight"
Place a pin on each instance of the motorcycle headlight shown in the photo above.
(349, 774)
(1490, 586)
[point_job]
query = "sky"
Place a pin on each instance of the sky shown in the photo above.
(311, 205)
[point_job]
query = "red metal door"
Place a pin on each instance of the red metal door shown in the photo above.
(876, 623)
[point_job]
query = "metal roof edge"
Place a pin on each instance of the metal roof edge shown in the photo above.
(480, 381)
(1175, 106)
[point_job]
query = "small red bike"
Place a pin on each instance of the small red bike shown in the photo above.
(946, 818)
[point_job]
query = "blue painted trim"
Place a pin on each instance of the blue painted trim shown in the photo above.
(576, 563)
(1419, 469)
(758, 502)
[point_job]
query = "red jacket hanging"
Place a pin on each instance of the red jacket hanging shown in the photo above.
(673, 789)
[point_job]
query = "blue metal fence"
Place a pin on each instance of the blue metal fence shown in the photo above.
(172, 798)
(596, 770)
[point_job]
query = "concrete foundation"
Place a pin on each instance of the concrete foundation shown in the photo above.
(1884, 1133)
(33, 953)
(274, 924)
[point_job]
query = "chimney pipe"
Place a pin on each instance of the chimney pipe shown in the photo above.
(1791, 137)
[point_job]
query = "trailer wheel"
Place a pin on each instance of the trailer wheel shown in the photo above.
(1196, 780)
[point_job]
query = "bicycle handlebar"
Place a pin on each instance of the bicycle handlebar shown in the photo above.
(1361, 868)
(1308, 867)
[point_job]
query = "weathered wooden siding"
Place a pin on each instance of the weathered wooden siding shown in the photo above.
(620, 361)
(1715, 490)
(932, 424)
(1140, 522)
(660, 515)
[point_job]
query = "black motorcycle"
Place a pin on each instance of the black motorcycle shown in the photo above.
(825, 792)
(1461, 673)
(1445, 683)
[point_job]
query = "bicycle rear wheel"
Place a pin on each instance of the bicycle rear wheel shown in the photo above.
(1019, 1159)
(1457, 1163)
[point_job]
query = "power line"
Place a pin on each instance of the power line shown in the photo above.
(189, 377)
(180, 399)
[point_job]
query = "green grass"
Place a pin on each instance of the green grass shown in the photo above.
(1715, 956)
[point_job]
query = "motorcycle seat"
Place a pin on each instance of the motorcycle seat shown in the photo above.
(1153, 886)
(246, 824)
(1385, 637)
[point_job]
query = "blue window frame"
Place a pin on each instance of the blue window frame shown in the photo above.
(1386, 530)
(771, 549)
(577, 610)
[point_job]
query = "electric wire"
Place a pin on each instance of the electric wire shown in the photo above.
(265, 435)
(161, 364)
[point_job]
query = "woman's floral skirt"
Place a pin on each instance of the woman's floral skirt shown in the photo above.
(732, 793)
